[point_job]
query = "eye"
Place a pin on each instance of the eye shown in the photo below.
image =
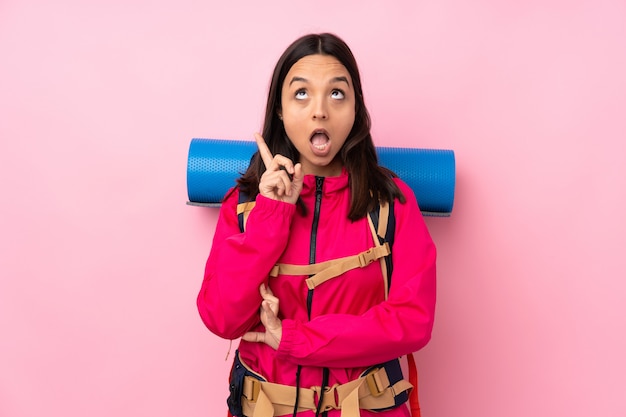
(337, 94)
(301, 94)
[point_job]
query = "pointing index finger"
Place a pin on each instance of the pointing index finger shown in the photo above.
(264, 151)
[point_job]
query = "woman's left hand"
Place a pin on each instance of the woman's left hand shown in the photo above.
(269, 318)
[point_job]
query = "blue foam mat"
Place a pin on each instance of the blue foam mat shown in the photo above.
(213, 165)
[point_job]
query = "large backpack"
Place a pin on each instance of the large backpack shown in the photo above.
(383, 226)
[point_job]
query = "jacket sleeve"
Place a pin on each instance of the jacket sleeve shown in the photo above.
(229, 299)
(400, 325)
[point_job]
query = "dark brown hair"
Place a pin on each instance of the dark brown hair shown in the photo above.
(368, 181)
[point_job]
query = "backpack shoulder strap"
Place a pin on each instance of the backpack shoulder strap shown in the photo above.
(244, 206)
(384, 221)
(383, 226)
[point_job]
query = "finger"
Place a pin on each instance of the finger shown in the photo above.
(272, 315)
(268, 316)
(264, 151)
(254, 337)
(278, 185)
(268, 295)
(285, 178)
(282, 163)
(298, 173)
(297, 179)
(271, 301)
(265, 290)
(289, 175)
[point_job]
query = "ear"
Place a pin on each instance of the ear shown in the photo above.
(279, 113)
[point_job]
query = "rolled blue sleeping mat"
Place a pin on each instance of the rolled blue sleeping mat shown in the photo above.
(213, 165)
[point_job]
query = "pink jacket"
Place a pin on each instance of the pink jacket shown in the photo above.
(352, 326)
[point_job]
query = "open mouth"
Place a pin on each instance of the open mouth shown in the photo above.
(320, 139)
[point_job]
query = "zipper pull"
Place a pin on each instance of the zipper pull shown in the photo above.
(319, 182)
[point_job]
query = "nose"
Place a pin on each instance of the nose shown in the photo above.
(319, 110)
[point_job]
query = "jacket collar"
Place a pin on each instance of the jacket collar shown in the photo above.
(331, 184)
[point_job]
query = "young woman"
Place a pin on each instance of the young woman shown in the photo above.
(280, 280)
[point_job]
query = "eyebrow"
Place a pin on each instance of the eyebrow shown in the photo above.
(333, 80)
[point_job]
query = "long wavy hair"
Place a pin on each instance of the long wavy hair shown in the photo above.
(369, 182)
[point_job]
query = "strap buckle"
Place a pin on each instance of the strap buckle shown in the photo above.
(370, 255)
(255, 388)
(372, 384)
(329, 401)
(366, 258)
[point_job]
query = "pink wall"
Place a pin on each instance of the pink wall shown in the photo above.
(100, 258)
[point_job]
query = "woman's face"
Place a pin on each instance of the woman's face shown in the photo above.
(318, 110)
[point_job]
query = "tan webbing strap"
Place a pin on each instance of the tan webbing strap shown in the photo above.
(269, 399)
(357, 261)
(245, 208)
(265, 399)
(383, 218)
(263, 405)
(323, 271)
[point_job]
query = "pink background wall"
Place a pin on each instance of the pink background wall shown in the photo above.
(100, 258)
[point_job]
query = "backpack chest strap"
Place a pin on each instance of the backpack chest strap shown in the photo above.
(323, 271)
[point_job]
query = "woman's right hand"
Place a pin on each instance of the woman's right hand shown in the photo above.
(282, 180)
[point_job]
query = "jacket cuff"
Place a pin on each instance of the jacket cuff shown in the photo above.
(287, 342)
(270, 207)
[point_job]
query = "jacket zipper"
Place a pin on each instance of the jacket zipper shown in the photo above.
(319, 183)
